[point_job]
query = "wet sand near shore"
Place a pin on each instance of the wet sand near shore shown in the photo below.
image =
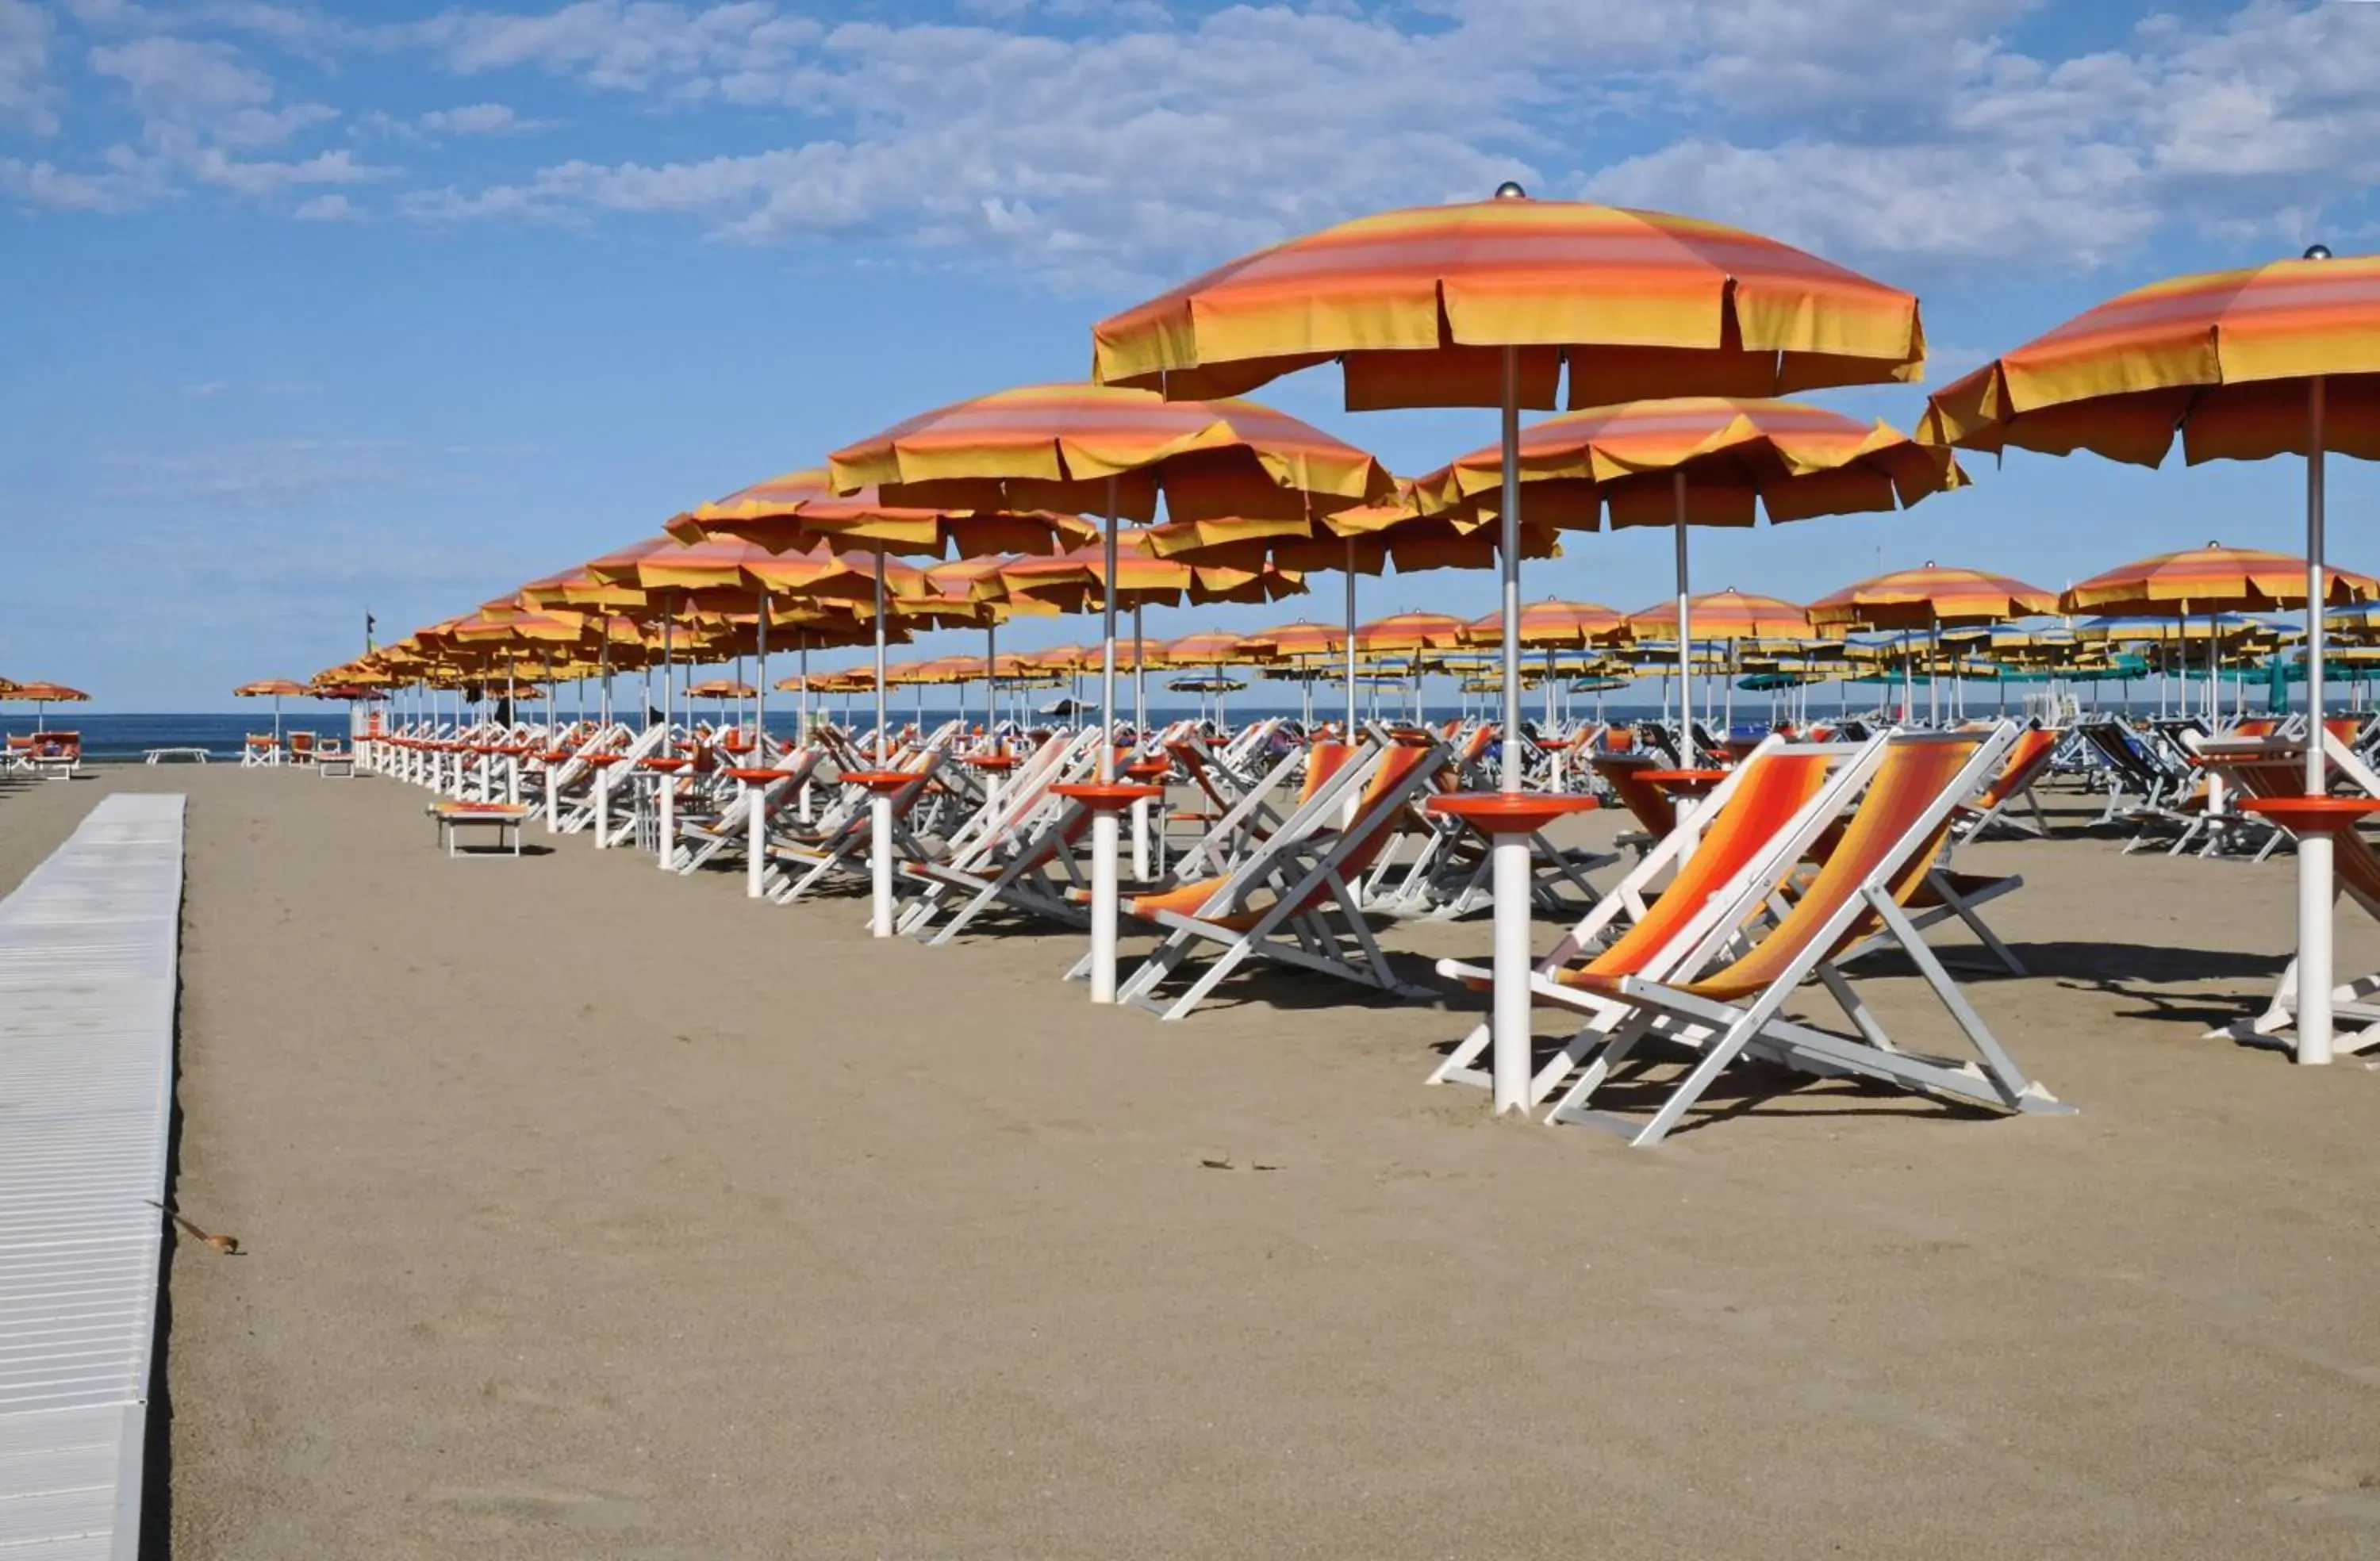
(598, 1212)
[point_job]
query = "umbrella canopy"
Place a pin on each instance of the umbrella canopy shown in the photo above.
(1739, 456)
(273, 688)
(1931, 595)
(1077, 580)
(1410, 631)
(1730, 614)
(1091, 449)
(802, 509)
(1415, 305)
(47, 694)
(720, 688)
(1561, 625)
(2213, 579)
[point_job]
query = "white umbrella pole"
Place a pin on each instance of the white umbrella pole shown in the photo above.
(760, 685)
(1685, 627)
(990, 677)
(1349, 734)
(1104, 889)
(1510, 1029)
(879, 801)
(2315, 886)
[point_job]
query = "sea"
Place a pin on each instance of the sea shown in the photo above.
(127, 737)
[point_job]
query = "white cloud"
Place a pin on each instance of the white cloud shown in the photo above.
(28, 98)
(474, 119)
(125, 181)
(259, 179)
(328, 208)
(626, 44)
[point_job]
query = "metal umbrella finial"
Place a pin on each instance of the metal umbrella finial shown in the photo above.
(1510, 191)
(2314, 252)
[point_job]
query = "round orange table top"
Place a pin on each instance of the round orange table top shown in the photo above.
(879, 779)
(1511, 813)
(1149, 770)
(2312, 814)
(605, 758)
(666, 765)
(992, 761)
(1108, 796)
(554, 755)
(1682, 779)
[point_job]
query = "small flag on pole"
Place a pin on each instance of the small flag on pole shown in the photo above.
(369, 623)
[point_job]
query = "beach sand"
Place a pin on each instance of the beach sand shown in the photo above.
(596, 1212)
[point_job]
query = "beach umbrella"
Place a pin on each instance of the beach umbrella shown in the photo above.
(1551, 626)
(803, 509)
(1728, 617)
(274, 689)
(1142, 578)
(2279, 358)
(1087, 449)
(42, 695)
(1695, 461)
(1931, 597)
(1486, 304)
(2202, 584)
(1364, 539)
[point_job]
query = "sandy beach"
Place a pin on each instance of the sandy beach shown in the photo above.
(596, 1212)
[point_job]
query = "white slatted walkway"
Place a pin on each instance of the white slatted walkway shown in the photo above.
(87, 954)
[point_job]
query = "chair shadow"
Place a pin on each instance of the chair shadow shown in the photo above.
(2135, 973)
(1640, 1086)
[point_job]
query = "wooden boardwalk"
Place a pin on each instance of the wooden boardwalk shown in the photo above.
(87, 990)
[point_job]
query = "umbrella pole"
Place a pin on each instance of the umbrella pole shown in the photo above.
(760, 684)
(276, 726)
(1685, 630)
(880, 801)
(1349, 734)
(2315, 886)
(1510, 1031)
(990, 680)
(1104, 823)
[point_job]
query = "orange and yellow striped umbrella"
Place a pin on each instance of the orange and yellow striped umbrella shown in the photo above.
(801, 510)
(1213, 648)
(665, 564)
(47, 694)
(1738, 456)
(1929, 596)
(1554, 625)
(1099, 450)
(1730, 614)
(1077, 580)
(2222, 358)
(1416, 304)
(2281, 358)
(1293, 641)
(273, 688)
(1410, 631)
(2212, 579)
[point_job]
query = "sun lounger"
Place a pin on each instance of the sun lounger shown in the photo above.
(1878, 863)
(2028, 762)
(1741, 838)
(1296, 900)
(454, 816)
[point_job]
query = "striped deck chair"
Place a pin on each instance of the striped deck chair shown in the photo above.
(2028, 762)
(1022, 859)
(1879, 861)
(1294, 901)
(1745, 836)
(722, 824)
(845, 849)
(1647, 803)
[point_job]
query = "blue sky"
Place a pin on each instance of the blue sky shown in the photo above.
(307, 310)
